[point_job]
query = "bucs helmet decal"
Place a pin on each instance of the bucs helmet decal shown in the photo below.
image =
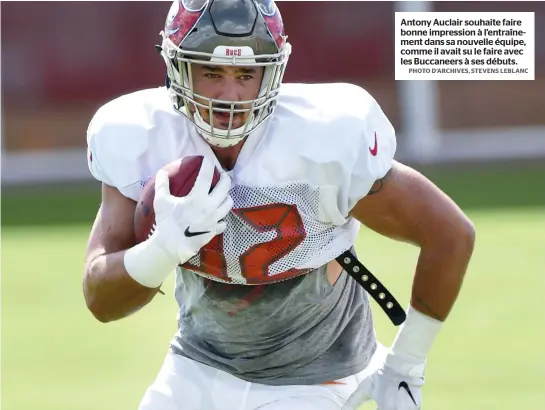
(274, 22)
(181, 20)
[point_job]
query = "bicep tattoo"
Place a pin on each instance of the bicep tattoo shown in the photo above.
(379, 183)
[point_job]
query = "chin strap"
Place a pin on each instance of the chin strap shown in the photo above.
(372, 285)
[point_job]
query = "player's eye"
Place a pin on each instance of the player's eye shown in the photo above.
(245, 77)
(211, 75)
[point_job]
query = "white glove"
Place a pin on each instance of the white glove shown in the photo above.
(389, 389)
(397, 384)
(182, 226)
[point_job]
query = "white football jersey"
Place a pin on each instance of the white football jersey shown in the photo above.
(293, 185)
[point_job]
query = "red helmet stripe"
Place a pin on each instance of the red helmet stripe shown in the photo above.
(178, 26)
(276, 27)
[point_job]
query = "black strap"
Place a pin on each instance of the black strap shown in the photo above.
(372, 285)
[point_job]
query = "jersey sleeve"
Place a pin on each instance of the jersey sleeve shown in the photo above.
(114, 148)
(93, 156)
(374, 153)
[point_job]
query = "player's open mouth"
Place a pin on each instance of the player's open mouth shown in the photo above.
(224, 116)
(221, 120)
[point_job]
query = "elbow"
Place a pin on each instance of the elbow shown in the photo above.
(97, 312)
(460, 239)
(455, 236)
(107, 305)
(467, 235)
(93, 302)
(95, 307)
(103, 318)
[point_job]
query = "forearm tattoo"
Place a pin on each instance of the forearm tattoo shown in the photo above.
(427, 309)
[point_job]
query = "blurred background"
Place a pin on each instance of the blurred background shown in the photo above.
(482, 142)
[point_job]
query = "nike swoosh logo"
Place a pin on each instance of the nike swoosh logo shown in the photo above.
(190, 234)
(406, 387)
(374, 150)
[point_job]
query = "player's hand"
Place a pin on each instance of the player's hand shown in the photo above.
(184, 225)
(390, 388)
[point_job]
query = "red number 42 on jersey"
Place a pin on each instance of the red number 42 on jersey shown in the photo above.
(282, 219)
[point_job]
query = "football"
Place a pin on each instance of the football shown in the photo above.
(182, 175)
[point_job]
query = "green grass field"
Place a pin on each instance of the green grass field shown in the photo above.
(490, 355)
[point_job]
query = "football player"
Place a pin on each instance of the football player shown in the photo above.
(268, 319)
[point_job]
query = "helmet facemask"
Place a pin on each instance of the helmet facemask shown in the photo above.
(186, 100)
